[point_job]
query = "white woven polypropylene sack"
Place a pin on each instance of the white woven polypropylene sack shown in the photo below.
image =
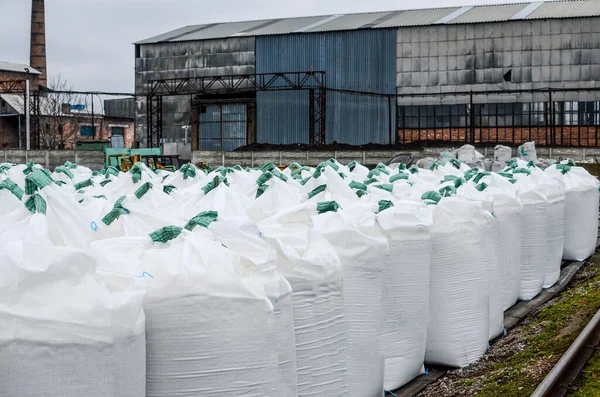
(502, 153)
(313, 268)
(533, 247)
(208, 330)
(408, 227)
(64, 332)
(581, 211)
(458, 328)
(363, 249)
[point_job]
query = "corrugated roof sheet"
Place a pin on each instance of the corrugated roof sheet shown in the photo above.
(17, 67)
(348, 22)
(47, 106)
(417, 17)
(566, 9)
(490, 13)
(391, 19)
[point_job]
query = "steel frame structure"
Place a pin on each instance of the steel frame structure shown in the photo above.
(20, 87)
(313, 81)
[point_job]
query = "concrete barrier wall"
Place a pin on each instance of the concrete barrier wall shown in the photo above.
(368, 157)
(53, 158)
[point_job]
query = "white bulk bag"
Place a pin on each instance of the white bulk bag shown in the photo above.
(491, 246)
(533, 247)
(458, 328)
(508, 211)
(65, 332)
(407, 225)
(581, 210)
(312, 266)
(208, 330)
(502, 153)
(527, 152)
(363, 250)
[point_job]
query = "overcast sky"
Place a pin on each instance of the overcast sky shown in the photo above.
(89, 42)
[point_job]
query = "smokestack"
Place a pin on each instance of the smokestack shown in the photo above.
(37, 52)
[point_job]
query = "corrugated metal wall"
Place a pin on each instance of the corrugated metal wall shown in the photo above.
(353, 60)
(181, 60)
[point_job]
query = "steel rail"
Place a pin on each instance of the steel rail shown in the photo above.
(560, 380)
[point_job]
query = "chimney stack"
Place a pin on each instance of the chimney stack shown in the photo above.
(37, 52)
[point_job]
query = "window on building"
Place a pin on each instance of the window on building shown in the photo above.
(222, 127)
(117, 137)
(87, 130)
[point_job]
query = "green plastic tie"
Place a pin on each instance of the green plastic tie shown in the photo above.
(571, 162)
(12, 187)
(36, 204)
(385, 186)
(142, 190)
(111, 171)
(261, 190)
(521, 171)
(352, 165)
(105, 182)
(456, 163)
(374, 173)
(136, 172)
(471, 173)
(531, 164)
(431, 197)
(96, 173)
(506, 174)
(399, 177)
(188, 170)
(401, 167)
(64, 170)
(203, 219)
(166, 234)
(303, 181)
(513, 181)
(564, 168)
(238, 167)
(317, 190)
(357, 185)
(342, 175)
(327, 206)
(4, 168)
(480, 176)
(70, 165)
(513, 164)
(434, 166)
(447, 191)
(100, 197)
(29, 168)
(116, 212)
(264, 178)
(371, 181)
(168, 189)
(481, 187)
(384, 205)
(414, 170)
(279, 175)
(37, 179)
(361, 193)
(81, 185)
(268, 167)
(217, 180)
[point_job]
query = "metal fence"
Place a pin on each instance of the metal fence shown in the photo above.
(548, 117)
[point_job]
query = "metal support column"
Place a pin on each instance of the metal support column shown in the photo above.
(317, 115)
(34, 120)
(154, 121)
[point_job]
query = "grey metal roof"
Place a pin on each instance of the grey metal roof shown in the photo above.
(16, 67)
(389, 19)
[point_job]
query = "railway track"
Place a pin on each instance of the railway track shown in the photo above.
(561, 380)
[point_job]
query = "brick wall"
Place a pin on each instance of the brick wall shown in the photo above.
(584, 136)
(10, 76)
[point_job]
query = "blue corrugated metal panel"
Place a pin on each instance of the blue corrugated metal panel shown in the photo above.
(353, 60)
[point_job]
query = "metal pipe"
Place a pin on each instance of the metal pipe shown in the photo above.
(27, 119)
(20, 138)
(554, 376)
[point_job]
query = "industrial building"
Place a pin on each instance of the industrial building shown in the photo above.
(511, 72)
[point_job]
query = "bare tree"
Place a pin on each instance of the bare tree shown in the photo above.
(60, 127)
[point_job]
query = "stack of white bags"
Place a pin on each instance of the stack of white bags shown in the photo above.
(337, 280)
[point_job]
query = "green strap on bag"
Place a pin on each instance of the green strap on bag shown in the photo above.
(166, 234)
(203, 219)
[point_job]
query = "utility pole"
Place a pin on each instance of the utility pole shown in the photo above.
(27, 120)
